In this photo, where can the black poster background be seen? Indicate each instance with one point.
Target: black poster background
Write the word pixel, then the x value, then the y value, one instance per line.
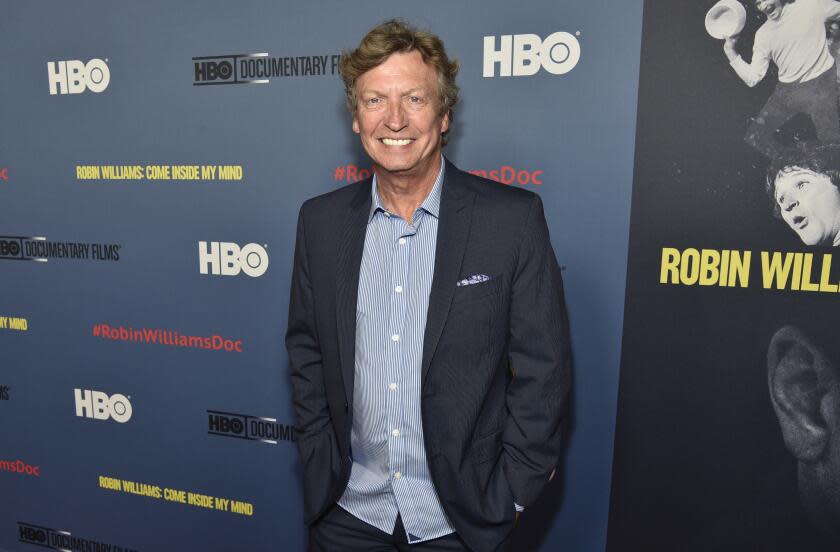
pixel 699 460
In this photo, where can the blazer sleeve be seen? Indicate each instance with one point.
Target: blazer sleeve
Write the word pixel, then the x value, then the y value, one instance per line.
pixel 314 430
pixel 540 358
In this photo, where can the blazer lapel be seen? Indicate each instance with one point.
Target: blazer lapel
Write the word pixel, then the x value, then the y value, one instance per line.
pixel 456 204
pixel 349 263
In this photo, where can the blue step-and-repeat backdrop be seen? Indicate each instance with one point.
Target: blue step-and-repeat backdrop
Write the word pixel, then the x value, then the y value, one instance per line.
pixel 153 157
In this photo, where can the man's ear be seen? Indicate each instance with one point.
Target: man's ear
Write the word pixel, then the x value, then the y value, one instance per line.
pixel 798 375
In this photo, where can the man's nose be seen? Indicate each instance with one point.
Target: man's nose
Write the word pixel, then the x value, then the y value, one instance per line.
pixel 789 203
pixel 396 116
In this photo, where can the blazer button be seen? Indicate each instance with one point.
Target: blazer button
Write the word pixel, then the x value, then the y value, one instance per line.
pixel 346 407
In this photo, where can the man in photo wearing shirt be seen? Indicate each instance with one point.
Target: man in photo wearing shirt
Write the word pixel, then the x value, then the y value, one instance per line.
pixel 428 339
pixel 794 38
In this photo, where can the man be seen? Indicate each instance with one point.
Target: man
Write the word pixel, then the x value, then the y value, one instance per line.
pixel 803 183
pixel 794 38
pixel 427 337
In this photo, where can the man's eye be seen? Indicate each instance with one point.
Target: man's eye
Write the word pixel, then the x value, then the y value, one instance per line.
pixel 415 99
pixel 373 101
pixel 802 184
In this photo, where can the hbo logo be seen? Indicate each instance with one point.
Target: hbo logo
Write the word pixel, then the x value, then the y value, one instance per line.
pixel 32 534
pixel 9 248
pixel 212 70
pixel 73 77
pixel 227 259
pixel 223 424
pixel 523 55
pixel 98 405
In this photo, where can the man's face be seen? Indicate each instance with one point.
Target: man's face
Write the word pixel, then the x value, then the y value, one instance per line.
pixel 810 205
pixel 397 116
pixel 771 8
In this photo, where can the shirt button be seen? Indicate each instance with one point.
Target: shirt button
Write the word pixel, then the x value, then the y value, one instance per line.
pixel 398 289
pixel 395 337
pixel 396 433
pixel 392 386
pixel 397 475
pixel 401 241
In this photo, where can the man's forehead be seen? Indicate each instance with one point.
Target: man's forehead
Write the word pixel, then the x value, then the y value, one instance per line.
pixel 787 177
pixel 408 66
pixel 793 172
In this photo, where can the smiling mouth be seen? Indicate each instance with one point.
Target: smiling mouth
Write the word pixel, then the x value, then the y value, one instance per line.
pixel 800 222
pixel 396 141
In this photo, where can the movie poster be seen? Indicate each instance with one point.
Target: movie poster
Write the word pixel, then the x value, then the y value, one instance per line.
pixel 728 423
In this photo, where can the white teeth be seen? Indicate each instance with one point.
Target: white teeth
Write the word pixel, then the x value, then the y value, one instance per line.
pixel 392 142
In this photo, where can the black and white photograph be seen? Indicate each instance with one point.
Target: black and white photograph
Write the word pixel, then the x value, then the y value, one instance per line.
pixel 726 435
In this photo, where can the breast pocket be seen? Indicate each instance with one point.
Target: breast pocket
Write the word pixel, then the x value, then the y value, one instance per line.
pixel 486 290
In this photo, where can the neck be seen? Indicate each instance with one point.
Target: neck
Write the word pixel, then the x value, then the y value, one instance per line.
pixel 402 194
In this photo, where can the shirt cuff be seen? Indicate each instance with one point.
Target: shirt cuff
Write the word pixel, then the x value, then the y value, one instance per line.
pixel 518 507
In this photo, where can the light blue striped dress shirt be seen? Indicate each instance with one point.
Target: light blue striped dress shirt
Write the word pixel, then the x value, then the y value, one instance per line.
pixel 390 474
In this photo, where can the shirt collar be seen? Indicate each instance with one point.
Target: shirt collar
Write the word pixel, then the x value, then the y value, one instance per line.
pixel 431 204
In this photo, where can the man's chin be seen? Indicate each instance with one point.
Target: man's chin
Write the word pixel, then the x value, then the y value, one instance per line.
pixel 395 166
pixel 812 239
pixel 391 169
pixel 403 164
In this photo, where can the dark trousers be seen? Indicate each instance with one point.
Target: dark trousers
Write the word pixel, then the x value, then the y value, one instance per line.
pixel 340 531
pixel 816 98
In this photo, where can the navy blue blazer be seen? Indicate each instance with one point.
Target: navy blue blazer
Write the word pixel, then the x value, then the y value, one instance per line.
pixel 496 360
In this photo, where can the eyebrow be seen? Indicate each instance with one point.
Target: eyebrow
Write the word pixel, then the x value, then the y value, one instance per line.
pixel 380 93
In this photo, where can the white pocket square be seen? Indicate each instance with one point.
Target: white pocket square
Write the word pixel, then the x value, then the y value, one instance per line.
pixel 474 279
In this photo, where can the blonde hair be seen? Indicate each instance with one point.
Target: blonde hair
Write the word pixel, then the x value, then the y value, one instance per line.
pixel 395 36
